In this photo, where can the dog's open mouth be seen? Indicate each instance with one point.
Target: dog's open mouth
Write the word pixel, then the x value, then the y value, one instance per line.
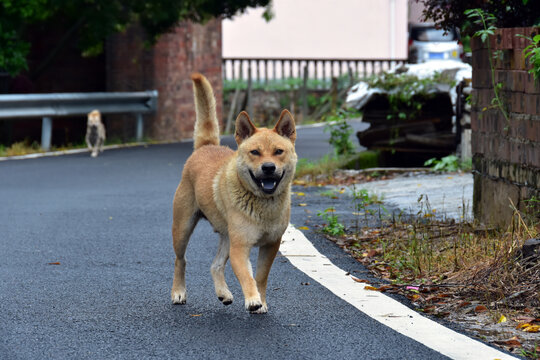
pixel 267 183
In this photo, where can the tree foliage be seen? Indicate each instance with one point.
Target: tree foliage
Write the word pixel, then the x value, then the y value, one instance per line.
pixel 450 14
pixel 91 21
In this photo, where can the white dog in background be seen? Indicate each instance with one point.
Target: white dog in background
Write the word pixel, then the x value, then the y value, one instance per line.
pixel 95 133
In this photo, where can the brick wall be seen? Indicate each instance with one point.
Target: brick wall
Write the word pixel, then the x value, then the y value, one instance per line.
pixel 506 153
pixel 165 67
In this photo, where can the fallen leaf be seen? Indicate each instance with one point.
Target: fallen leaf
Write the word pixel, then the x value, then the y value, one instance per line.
pixel 513 342
pixel 522 325
pixel 359 280
pixel 532 328
pixel 525 319
pixel 342 190
pixel 480 308
pixel 302 228
pixel 371 253
pixel 54 263
pixel 300 194
pixel 302 204
pixel 371 288
pixel 502 319
pixel 464 303
pixel 385 287
pixel 413 297
pixel 195 315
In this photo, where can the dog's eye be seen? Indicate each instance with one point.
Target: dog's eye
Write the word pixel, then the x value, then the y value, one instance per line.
pixel 278 152
pixel 255 152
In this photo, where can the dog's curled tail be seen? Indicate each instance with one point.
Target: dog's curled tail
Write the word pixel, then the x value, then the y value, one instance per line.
pixel 206 124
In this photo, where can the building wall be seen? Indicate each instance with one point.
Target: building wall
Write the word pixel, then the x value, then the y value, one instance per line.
pixel 320 28
pixel 506 153
pixel 166 67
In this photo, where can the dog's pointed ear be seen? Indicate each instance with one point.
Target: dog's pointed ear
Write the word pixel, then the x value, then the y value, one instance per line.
pixel 244 127
pixel 285 125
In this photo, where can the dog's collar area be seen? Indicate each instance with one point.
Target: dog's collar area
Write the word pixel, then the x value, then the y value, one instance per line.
pixel 268 184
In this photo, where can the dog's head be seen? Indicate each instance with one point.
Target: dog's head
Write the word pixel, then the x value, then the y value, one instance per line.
pixel 94 118
pixel 266 159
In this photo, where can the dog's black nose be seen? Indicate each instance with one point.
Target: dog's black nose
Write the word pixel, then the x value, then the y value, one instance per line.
pixel 268 168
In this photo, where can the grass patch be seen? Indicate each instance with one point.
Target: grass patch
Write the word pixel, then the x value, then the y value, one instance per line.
pixel 25 147
pixel 327 165
pixel 20 148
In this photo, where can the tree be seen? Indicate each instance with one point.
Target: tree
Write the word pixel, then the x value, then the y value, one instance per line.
pixel 450 14
pixel 91 21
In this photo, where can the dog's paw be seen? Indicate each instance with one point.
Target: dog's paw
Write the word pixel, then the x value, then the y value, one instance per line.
pixel 178 298
pixel 226 298
pixel 253 304
pixel 262 310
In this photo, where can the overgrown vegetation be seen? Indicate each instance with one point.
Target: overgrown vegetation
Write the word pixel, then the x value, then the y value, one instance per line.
pixel 449 163
pixel 332 226
pixel 447 267
pixel 449 14
pixel 532 52
pixel 407 93
pixel 20 148
pixel 340 131
pixel 486 22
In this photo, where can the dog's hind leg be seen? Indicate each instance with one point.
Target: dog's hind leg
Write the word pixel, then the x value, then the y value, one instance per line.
pixel 267 254
pixel 185 217
pixel 218 271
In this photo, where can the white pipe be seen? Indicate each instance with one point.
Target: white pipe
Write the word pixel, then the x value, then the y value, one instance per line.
pixel 392 29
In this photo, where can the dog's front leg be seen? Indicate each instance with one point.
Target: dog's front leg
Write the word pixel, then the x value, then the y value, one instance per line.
pixel 101 140
pixel 87 139
pixel 241 266
pixel 267 254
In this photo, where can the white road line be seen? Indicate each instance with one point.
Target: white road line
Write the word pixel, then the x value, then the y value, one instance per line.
pixel 303 255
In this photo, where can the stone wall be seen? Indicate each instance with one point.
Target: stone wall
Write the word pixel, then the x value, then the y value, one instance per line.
pixel 506 153
pixel 166 67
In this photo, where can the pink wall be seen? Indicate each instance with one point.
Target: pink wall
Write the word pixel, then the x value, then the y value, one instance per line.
pixel 319 28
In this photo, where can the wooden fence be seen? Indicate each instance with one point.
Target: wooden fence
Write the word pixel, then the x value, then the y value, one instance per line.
pixel 264 70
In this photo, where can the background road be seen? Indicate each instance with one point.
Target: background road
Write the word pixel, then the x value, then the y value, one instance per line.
pixel 86 265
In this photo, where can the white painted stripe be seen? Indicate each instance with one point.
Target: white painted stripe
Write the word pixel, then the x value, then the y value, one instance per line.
pixel 303 255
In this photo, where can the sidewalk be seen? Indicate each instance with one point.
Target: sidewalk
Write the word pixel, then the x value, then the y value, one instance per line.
pixel 445 195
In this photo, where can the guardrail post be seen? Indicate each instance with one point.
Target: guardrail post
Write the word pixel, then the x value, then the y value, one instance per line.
pixel 46 133
pixel 140 126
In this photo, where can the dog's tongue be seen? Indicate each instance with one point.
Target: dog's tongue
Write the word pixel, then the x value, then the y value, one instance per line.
pixel 268 184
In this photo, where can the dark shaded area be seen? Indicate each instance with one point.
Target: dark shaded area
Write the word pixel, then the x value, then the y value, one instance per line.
pixel 412 140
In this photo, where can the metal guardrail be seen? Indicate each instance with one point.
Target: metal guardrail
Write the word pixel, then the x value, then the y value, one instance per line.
pixel 47 106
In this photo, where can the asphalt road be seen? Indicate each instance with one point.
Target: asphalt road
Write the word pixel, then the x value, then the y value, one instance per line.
pixel 86 265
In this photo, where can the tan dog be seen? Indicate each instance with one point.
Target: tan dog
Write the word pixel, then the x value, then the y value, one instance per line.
pixel 244 194
pixel 95 133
